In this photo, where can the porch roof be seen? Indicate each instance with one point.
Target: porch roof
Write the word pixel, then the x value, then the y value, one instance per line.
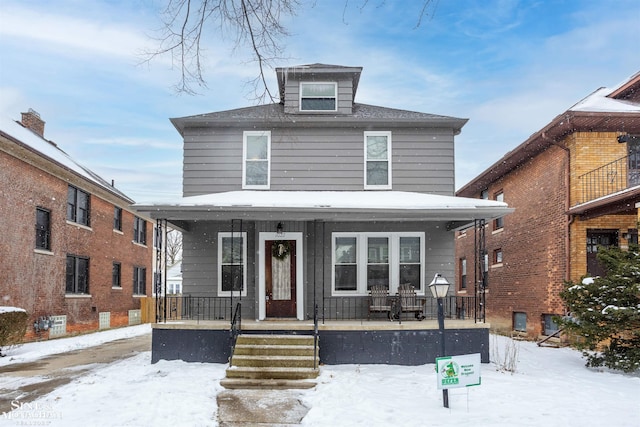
pixel 328 206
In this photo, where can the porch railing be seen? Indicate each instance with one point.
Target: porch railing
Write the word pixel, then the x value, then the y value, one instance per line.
pixel 186 307
pixel 357 308
pixel 236 327
pixel 610 178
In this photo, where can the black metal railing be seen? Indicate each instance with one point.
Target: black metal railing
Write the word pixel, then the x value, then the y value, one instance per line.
pixel 186 307
pixel 315 336
pixel 357 308
pixel 234 331
pixel 610 178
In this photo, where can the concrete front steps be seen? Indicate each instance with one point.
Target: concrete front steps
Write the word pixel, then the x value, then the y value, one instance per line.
pixel 272 362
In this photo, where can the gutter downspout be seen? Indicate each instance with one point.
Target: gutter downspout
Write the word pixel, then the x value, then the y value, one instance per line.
pixel 569 218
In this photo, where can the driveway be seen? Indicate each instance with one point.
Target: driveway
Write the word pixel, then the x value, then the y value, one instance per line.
pixel 29 381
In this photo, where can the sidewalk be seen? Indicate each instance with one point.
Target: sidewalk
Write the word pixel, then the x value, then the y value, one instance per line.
pixel 59 369
pixel 260 408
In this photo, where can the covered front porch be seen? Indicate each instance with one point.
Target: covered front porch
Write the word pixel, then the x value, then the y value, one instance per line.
pixel 256 258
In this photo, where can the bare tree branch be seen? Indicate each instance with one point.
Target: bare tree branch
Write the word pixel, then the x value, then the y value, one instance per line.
pixel 174 246
pixel 255 25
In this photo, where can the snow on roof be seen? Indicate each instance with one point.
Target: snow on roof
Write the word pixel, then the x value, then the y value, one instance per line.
pixel 334 199
pixel 6 309
pixel 598 101
pixel 51 151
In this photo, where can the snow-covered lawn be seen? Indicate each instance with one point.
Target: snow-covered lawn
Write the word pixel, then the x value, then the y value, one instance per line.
pixel 551 387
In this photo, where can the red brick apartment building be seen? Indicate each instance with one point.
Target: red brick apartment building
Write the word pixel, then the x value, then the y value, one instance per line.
pixel 575 185
pixel 71 248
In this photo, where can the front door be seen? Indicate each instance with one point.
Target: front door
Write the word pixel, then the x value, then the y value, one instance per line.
pixel 597 238
pixel 280 278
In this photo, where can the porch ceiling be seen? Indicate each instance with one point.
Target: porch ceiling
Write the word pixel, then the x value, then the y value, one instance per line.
pixel 328 206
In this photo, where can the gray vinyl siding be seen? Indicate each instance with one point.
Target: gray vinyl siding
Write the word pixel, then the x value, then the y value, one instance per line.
pixel 200 256
pixel 344 101
pixel 329 159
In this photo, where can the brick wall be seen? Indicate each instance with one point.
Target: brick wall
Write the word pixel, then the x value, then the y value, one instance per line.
pixel 532 242
pixel 35 280
pixel 590 150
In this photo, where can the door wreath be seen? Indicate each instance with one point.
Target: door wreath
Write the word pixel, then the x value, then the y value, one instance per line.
pixel 280 249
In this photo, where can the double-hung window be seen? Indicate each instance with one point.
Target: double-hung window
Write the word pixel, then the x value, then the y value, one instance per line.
pixel 117 218
pixel 232 265
pixel 256 162
pixel 362 260
pixel 318 96
pixel 463 273
pixel 139 280
pixel 116 270
pixel 77 277
pixel 140 231
pixel 499 222
pixel 77 206
pixel 43 229
pixel 377 156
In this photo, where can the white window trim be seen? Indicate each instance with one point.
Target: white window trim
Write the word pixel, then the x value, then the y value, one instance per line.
pixel 361 261
pixel 245 134
pixel 388 185
pixel 335 85
pixel 300 288
pixel 222 235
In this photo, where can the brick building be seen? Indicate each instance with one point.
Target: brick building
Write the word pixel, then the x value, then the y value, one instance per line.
pixel 71 248
pixel 575 185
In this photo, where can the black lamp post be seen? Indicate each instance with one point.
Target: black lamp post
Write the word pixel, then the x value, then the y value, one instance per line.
pixel 439 289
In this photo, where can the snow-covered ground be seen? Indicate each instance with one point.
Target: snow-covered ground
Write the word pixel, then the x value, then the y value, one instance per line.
pixel 551 387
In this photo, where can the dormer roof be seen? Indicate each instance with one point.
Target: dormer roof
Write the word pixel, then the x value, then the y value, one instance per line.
pixel 315 72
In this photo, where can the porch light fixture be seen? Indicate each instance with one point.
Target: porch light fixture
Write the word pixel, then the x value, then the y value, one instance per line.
pixel 439 289
pixel 280 230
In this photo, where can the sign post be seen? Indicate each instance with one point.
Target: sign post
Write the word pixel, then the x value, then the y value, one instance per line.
pixel 458 371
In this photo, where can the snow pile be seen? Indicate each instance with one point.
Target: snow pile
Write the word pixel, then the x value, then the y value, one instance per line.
pixel 550 387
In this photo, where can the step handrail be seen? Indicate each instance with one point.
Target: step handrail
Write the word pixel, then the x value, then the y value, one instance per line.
pixel 315 336
pixel 236 326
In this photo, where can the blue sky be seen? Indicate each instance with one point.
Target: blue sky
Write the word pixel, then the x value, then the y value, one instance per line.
pixel 509 66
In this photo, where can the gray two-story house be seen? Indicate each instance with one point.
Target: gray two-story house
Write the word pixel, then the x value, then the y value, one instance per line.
pixel 300 207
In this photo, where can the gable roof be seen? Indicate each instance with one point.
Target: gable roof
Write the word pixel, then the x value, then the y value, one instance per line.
pixel 274 116
pixel 605 110
pixel 34 143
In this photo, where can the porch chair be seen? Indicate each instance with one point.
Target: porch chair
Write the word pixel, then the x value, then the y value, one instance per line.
pixel 379 301
pixel 409 302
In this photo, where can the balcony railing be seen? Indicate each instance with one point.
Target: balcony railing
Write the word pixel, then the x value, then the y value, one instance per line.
pixel 610 178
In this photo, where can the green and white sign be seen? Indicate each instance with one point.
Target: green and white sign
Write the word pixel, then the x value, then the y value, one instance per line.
pixel 458 371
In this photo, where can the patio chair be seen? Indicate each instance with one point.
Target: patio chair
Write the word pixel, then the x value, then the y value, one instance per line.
pixel 409 302
pixel 379 301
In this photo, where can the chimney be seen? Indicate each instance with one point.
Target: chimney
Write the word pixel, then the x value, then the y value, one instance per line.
pixel 31 120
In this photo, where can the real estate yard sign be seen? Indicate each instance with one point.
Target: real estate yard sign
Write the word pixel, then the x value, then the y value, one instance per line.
pixel 458 371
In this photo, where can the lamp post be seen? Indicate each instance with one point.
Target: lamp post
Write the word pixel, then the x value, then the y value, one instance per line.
pixel 439 289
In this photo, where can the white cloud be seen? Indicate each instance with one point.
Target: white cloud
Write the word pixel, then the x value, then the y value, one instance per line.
pixel 69 33
pixel 134 142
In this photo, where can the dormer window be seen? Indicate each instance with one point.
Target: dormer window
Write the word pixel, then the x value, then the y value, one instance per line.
pixel 318 96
